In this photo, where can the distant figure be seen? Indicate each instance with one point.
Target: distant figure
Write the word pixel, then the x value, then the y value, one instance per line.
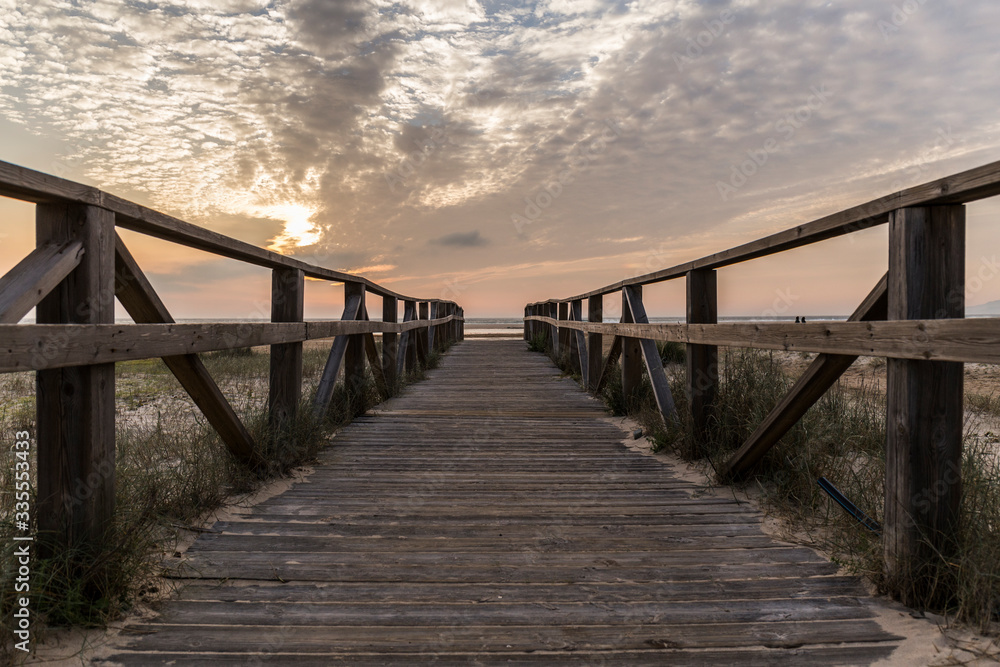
pixel 803 319
pixel 796 319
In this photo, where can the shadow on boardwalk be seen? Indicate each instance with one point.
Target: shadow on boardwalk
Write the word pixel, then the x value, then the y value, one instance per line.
pixel 492 515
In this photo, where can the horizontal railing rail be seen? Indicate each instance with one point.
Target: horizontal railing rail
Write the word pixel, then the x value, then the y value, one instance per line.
pixel 80 266
pixel 914 317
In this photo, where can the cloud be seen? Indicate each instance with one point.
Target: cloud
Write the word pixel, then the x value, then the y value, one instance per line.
pixel 461 240
pixel 339 130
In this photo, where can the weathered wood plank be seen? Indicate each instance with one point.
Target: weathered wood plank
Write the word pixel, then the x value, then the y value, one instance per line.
pixel 34 277
pixel 924 401
pixel 327 382
pixel 492 514
pixel 651 356
pixel 965 340
pixel 702 360
pixel 285 383
pixel 76 406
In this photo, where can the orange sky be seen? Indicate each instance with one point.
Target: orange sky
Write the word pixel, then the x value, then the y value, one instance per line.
pixel 499 153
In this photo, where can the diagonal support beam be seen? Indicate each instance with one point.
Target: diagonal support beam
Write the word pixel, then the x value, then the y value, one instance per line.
pixel 324 392
pixel 821 374
pixel 34 277
pixel 371 351
pixel 407 355
pixel 580 342
pixel 139 298
pixel 654 366
pixel 613 354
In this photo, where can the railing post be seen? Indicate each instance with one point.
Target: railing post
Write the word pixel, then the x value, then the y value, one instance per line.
pixel 595 341
pixel 552 310
pixel 527 324
pixel 631 350
pixel 923 487
pixel 410 314
pixel 702 360
pixel 433 343
pixel 390 343
pixel 285 389
pixel 563 331
pixel 576 341
pixel 422 332
pixel 461 324
pixel 76 406
pixel 354 357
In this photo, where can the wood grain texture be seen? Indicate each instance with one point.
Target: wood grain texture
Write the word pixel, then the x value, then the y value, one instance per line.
pixel 966 340
pixel 651 356
pixel 285 384
pixel 821 374
pixel 76 406
pixel 354 356
pixel 327 382
pixel 141 302
pixel 702 360
pixel 595 344
pixel 34 277
pixel 491 515
pixel 924 400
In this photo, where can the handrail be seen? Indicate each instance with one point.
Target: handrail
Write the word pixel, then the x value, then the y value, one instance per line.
pixel 34 186
pixel 962 188
pixel 914 317
pixel 72 278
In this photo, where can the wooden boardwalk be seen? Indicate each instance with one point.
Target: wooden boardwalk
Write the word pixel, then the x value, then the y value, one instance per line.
pixel 492 515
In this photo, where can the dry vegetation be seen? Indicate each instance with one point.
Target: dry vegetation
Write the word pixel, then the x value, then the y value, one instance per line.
pixel 171 468
pixel 841 438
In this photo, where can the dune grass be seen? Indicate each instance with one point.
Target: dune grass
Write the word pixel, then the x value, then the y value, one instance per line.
pixel 171 468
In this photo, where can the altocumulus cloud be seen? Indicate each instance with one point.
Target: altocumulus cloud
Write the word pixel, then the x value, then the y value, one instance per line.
pixel 303 112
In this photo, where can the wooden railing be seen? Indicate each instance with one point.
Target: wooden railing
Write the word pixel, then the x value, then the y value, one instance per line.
pixel 72 278
pixel 914 317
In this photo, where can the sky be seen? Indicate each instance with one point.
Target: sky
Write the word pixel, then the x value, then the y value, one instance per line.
pixel 497 153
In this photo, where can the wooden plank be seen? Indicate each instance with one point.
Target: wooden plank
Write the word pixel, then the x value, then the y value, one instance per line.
pixel 354 355
pixel 34 277
pixel 76 406
pixel 654 366
pixel 964 187
pixel 407 361
pixel 613 354
pixel 924 422
pixel 327 382
pixel 562 313
pixel 965 340
pixel 285 385
pixel 595 344
pixel 390 345
pixel 578 346
pixel 420 335
pixel 371 351
pixel 631 358
pixel 702 360
pixel 821 374
pixel 141 302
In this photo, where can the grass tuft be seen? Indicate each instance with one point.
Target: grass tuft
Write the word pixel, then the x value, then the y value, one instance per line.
pixel 170 470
